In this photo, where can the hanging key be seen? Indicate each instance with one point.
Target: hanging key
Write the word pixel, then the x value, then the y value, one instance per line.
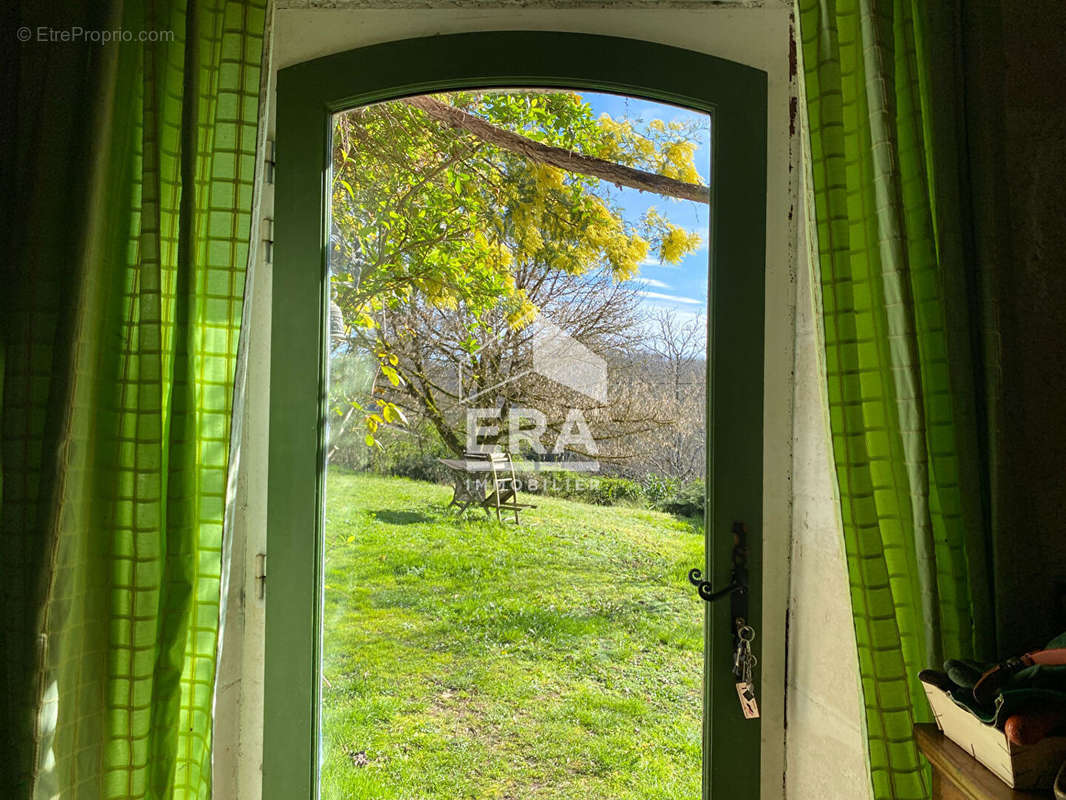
pixel 740 648
pixel 744 662
pixel 740 651
pixel 738 661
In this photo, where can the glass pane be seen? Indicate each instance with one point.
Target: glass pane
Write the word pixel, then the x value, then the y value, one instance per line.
pixel 517 449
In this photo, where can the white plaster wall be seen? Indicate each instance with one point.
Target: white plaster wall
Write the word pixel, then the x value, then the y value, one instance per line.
pixel 238 734
pixel 238 724
pixel 826 755
pixel 825 741
pixel 758 36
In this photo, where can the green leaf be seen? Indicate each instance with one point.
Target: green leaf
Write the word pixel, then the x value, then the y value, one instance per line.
pixel 392 414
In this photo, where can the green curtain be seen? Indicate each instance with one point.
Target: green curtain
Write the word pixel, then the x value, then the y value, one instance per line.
pixel 889 188
pixel 131 172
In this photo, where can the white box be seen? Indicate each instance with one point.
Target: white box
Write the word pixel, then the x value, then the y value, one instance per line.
pixel 1020 767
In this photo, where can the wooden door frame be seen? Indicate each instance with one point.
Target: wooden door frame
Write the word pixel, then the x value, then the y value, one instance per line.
pixel 308 94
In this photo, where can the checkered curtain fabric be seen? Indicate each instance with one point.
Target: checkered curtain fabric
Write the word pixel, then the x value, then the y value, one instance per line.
pixel 122 320
pixel 878 77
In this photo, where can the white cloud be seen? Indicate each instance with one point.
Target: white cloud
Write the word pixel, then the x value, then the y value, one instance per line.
pixel 652 261
pixel 652 282
pixel 672 298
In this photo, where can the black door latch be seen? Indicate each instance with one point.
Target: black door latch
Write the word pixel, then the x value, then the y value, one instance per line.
pixel 708 592
pixel 738 579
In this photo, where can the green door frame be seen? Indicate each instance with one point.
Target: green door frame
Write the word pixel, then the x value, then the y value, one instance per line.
pixel 307 95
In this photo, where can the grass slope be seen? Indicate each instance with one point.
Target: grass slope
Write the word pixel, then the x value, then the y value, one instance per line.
pixel 560 658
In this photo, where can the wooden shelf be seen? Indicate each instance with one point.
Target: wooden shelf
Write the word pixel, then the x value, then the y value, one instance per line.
pixel 959 776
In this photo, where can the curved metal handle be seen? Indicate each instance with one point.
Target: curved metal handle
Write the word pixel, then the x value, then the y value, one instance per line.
pixel 708 592
pixel 738 579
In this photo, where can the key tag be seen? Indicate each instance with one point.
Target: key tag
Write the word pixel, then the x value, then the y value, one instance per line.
pixel 746 661
pixel 748 704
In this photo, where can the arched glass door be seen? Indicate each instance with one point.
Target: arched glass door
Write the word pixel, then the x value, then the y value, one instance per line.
pixel 308 96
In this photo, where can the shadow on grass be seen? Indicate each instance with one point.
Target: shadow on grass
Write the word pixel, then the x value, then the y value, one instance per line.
pixel 401 517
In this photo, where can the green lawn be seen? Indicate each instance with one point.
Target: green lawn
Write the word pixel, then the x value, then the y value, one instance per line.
pixel 560 658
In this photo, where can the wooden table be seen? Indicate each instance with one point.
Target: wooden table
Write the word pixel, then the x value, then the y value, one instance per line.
pixel 959 776
pixel 487 480
pixel 466 491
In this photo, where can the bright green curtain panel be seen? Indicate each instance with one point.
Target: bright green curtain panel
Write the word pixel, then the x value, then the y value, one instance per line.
pixel 898 341
pixel 131 173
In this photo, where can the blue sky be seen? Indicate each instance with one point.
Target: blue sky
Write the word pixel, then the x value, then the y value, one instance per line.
pixel 682 288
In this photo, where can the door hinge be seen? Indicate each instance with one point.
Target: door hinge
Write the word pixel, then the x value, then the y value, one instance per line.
pixel 268 239
pixel 269 162
pixel 260 575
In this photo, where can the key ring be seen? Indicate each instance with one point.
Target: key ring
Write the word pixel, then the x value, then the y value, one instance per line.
pixel 746 633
